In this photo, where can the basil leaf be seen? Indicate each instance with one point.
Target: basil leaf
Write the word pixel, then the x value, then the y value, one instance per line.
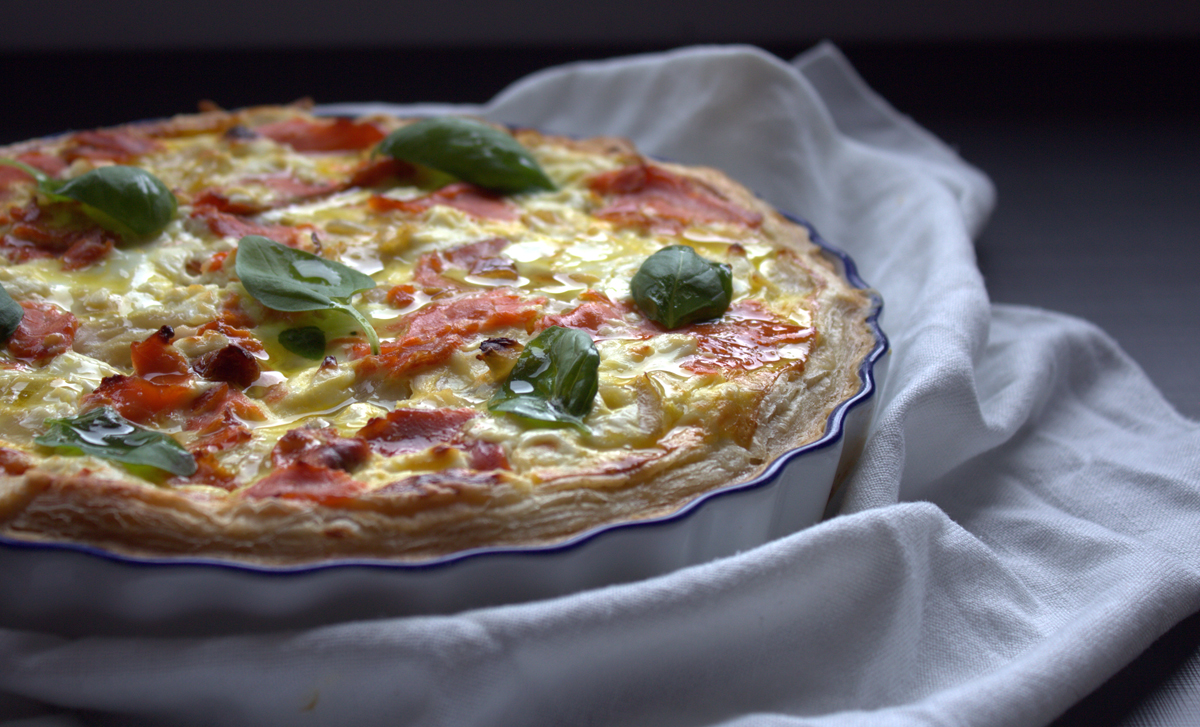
pixel 470 150
pixel 105 433
pixel 554 381
pixel 306 342
pixel 126 200
pixel 675 287
pixel 11 314
pixel 287 279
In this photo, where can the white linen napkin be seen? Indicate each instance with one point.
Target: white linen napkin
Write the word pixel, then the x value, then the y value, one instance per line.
pixel 1021 525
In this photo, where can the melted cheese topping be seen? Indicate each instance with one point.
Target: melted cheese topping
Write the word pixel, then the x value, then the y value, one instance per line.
pixel 557 255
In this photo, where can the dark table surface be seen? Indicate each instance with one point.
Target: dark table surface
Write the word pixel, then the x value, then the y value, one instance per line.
pixel 1095 153
pixel 1101 220
pixel 1093 147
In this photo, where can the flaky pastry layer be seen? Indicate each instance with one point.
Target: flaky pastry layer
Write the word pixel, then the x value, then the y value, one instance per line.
pixel 678 413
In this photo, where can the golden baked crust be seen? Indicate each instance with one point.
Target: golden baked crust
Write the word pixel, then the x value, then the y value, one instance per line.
pixel 395 454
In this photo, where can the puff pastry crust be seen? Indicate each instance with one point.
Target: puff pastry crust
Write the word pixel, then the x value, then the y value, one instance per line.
pixel 395 455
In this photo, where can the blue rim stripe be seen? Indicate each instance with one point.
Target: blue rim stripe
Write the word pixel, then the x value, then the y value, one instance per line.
pixel 834 430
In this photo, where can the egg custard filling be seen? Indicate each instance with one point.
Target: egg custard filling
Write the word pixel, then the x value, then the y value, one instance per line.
pixel 272 337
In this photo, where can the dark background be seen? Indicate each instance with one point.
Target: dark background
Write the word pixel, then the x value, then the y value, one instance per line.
pixel 990 80
pixel 1085 115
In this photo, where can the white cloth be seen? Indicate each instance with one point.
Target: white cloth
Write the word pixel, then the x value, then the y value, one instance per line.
pixel 1021 525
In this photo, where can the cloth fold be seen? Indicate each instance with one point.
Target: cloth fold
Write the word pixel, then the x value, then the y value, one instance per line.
pixel 1021 523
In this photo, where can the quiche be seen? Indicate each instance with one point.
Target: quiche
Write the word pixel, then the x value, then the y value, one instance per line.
pixel 266 336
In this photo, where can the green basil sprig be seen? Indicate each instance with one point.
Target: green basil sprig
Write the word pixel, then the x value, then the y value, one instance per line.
pixel 675 287
pixel 11 314
pixel 554 380
pixel 470 150
pixel 105 433
pixel 127 200
pixel 306 342
pixel 287 279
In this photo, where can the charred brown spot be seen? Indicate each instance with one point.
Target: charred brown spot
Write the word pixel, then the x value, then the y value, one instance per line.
pixel 166 334
pixel 323 447
pixel 339 531
pixel 495 267
pixel 232 364
pixel 239 132
pixel 500 354
pixel 494 346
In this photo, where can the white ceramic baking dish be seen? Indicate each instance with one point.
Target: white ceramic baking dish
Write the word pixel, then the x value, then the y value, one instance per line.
pixel 79 590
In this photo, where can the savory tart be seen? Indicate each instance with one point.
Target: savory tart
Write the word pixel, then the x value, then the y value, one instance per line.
pixel 270 337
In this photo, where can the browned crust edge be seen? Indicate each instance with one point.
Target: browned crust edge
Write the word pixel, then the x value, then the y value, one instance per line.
pixel 450 515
